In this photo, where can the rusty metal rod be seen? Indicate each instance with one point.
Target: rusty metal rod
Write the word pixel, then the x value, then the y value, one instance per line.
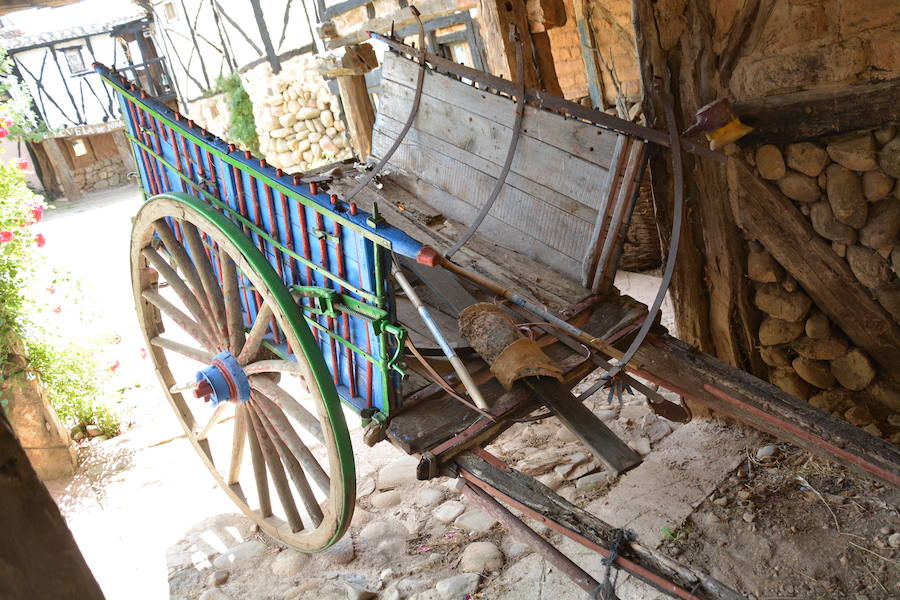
pixel 522 531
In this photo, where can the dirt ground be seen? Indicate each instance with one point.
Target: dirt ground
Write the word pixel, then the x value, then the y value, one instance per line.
pixel 762 517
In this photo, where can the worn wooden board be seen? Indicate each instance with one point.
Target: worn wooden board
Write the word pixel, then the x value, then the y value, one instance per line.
pixel 456 148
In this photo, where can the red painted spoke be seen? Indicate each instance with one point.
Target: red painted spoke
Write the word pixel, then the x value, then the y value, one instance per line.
pixel 208 279
pixel 290 439
pixel 294 470
pixel 276 469
pixel 190 326
pixel 259 468
pixel 180 288
pixel 237 443
pixel 271 391
pixel 255 337
pixel 184 263
pixel 183 349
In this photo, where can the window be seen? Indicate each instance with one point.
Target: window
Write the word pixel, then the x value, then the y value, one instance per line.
pixel 75 60
pixel 170 12
pixel 79 148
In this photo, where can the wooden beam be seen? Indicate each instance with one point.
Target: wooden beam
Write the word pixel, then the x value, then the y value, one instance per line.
pixel 812 114
pixel 495 17
pixel 703 379
pixel 769 217
pixel 124 148
pixel 61 168
pixel 589 53
pixel 359 111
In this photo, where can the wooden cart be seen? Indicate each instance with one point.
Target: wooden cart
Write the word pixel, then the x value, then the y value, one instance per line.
pixel 273 307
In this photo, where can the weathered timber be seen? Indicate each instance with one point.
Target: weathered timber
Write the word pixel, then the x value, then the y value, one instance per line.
pixel 768 216
pixel 605 445
pixel 402 17
pixel 737 394
pixel 497 18
pixel 39 558
pixel 709 290
pixel 812 114
pixel 543 504
pixel 360 112
pixel 61 168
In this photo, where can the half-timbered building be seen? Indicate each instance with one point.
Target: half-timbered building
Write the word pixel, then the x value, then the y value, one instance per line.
pixel 53 52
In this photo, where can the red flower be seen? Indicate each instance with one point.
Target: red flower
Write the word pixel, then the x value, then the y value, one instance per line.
pixel 37 213
pixel 9 122
pixel 3 132
pixel 58 309
pixel 51 290
pixel 5 236
pixel 143 353
pixel 39 240
pixel 114 366
pixel 22 163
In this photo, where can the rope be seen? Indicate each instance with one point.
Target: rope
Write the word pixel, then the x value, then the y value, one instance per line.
pixel 607 589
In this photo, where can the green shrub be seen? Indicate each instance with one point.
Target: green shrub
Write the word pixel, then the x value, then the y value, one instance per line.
pixel 70 373
pixel 241 124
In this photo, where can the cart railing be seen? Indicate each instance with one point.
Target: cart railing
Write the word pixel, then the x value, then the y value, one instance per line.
pixel 334 257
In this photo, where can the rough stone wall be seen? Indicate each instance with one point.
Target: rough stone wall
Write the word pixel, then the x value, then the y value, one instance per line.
pixel 101 174
pixel 848 188
pixel 804 44
pixel 298 120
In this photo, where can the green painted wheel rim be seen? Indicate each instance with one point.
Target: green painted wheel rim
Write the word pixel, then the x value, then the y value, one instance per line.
pixel 294 319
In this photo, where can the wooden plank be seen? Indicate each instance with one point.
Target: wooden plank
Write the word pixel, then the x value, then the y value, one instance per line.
pixel 610 189
pixel 772 219
pixel 443 283
pixel 124 149
pixel 737 394
pixel 584 140
pixel 812 114
pixel 580 420
pixel 389 127
pixel 63 173
pixel 562 171
pixel 540 502
pixel 402 17
pixel 517 220
pixel 360 112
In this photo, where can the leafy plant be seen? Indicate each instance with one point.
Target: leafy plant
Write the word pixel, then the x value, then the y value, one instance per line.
pixel 69 372
pixel 241 124
pixel 18 119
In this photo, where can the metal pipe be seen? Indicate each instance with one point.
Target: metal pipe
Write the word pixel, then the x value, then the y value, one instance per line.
pixel 522 531
pixel 446 348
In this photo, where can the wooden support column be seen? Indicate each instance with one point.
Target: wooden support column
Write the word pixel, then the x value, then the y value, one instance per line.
pixel 350 70
pixel 124 148
pixel 710 292
pixel 589 53
pixel 40 558
pixel 61 168
pixel 494 19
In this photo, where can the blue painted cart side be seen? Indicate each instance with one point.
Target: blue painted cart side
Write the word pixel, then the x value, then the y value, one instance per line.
pixel 333 256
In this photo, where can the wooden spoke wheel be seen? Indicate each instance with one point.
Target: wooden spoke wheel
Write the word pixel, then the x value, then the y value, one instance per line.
pixel 193 273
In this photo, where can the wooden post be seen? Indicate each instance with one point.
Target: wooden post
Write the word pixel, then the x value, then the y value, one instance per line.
pixel 61 169
pixel 710 292
pixel 495 18
pixel 40 558
pixel 589 52
pixel 124 148
pixel 350 70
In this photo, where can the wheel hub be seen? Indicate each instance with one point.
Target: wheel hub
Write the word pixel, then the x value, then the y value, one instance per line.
pixel 223 381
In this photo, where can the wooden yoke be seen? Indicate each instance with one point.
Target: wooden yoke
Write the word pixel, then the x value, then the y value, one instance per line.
pixel 350 70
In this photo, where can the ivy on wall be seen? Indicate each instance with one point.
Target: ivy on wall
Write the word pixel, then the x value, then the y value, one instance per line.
pixel 241 124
